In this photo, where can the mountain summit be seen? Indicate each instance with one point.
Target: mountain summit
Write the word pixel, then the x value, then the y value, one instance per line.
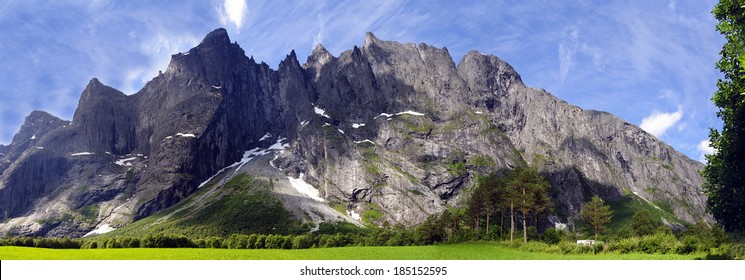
pixel 386 132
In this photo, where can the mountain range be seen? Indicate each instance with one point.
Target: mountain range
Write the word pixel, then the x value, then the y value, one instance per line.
pixel 386 132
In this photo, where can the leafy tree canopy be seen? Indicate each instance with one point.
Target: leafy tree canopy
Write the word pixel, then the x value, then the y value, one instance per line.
pixel 725 170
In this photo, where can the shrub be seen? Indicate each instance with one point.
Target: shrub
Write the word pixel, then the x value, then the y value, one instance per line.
pixel 536 247
pixel 625 232
pixel 643 223
pixel 242 242
pixel 40 242
pixel 213 242
pixel 600 248
pixel 251 241
pixel 552 236
pixel 336 240
pixel 401 238
pixel 287 244
pixel 719 253
pixel 112 243
pixel 663 229
pixel 273 242
pixel 184 242
pixel 709 237
pixel 659 243
pixel 689 245
pixel 323 241
pixel 260 242
pixel 532 233
pixel 737 252
pixel 281 241
pixel 302 242
pixel 466 234
pixel 232 241
pixel 132 242
pixel 628 245
pixel 572 248
pixel 727 252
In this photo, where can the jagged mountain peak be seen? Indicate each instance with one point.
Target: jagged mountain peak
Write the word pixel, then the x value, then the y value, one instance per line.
pixel 217 37
pixel 290 58
pixel 320 50
pixel 210 61
pixel 370 39
pixel 317 59
pixel 96 85
pixel 39 115
pixel 96 92
pixel 481 71
pixel 94 82
pixel 36 125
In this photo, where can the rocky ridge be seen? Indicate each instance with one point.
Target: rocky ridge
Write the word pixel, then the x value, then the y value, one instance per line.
pixel 388 131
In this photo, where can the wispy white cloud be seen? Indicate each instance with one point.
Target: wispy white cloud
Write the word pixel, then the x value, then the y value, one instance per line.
pixel 573 51
pixel 567 50
pixel 279 27
pixel 233 12
pixel 318 39
pixel 157 49
pixel 704 147
pixel 657 123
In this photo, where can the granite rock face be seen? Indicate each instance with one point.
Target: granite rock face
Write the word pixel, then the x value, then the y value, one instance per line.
pixel 392 132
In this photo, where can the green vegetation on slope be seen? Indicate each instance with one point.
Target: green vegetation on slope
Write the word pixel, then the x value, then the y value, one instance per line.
pixel 243 205
pixel 628 205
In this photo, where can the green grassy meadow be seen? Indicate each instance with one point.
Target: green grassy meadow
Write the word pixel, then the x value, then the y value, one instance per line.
pixel 463 251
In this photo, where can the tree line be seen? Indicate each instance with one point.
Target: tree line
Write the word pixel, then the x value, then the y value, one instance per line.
pixel 522 192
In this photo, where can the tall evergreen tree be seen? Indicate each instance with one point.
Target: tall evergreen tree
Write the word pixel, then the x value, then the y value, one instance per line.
pixel 597 214
pixel 494 196
pixel 725 170
pixel 531 189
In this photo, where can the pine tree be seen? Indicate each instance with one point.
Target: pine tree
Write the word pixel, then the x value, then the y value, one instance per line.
pixel 530 194
pixel 597 214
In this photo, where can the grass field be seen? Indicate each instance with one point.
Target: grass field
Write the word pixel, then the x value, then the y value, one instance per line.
pixel 463 251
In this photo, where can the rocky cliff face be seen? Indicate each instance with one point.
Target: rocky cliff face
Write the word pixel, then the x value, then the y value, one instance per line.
pixel 388 131
pixel 584 152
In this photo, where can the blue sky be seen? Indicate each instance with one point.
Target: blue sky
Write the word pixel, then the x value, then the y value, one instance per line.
pixel 648 62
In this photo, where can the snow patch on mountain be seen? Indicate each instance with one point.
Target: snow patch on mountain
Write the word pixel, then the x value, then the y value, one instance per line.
pixel 266 136
pixel 303 187
pixel 409 112
pixel 354 215
pixel 320 112
pixel 124 162
pixel 100 230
